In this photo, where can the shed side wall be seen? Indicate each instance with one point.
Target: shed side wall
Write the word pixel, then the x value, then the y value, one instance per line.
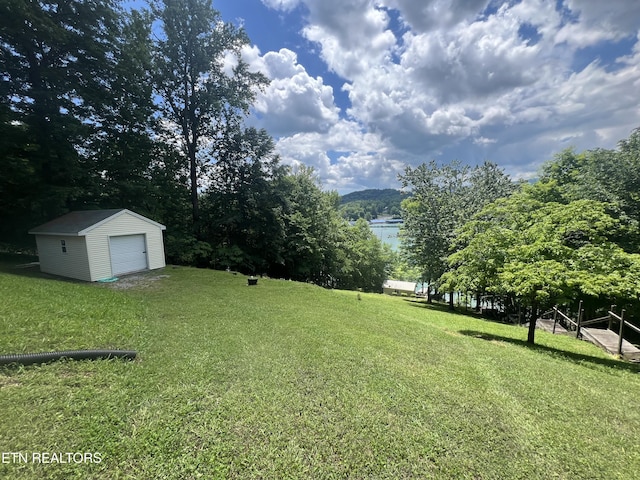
pixel 125 224
pixel 73 263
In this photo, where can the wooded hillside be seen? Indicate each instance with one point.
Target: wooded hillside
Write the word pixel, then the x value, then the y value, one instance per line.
pixel 372 203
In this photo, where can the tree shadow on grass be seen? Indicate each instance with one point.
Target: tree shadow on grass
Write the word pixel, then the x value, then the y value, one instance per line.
pixel 469 312
pixel 557 353
pixel 419 302
pixel 444 307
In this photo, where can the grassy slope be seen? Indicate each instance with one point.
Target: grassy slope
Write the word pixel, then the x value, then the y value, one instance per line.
pixel 286 380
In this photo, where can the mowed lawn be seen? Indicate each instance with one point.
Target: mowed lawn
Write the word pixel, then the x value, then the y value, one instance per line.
pixel 288 380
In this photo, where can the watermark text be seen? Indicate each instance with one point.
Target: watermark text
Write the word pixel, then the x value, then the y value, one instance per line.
pixel 50 457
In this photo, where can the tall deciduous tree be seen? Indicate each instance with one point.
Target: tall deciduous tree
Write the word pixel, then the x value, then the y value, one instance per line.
pixel 487 183
pixel 368 259
pixel 443 198
pixel 201 78
pixel 125 148
pixel 314 232
pixel 611 176
pixel 57 63
pixel 432 214
pixel 544 252
pixel 243 205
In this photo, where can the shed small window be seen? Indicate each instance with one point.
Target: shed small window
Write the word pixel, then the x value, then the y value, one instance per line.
pixel 64 246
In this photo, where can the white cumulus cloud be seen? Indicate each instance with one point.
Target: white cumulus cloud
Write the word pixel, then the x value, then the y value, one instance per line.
pixel 293 101
pixel 475 80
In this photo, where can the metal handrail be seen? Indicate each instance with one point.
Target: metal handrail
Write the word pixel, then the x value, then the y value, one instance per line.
pixel 580 323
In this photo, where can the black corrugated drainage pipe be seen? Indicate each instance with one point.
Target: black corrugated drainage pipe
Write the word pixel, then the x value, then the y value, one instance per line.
pixel 31 358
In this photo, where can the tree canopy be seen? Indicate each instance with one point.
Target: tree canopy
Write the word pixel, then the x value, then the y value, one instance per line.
pixel 569 236
pixel 200 95
pixel 443 198
pixel 544 252
pixel 58 61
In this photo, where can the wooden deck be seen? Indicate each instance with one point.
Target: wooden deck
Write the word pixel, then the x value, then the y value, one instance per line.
pixel 608 340
pixel 602 337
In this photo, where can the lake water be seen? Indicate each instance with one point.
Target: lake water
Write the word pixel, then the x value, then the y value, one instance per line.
pixel 387 233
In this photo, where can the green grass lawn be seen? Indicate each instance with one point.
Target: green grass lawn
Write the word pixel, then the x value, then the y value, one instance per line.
pixel 287 380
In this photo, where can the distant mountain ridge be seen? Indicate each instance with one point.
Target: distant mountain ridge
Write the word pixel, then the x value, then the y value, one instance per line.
pixel 376 194
pixel 372 203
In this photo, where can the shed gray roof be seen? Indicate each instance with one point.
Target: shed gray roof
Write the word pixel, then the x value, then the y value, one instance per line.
pixel 81 221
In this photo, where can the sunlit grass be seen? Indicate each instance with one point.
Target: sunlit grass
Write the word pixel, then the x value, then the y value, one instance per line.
pixel 287 380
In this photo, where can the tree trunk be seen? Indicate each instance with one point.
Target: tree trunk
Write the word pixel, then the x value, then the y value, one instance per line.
pixel 451 306
pixel 193 171
pixel 532 323
pixel 194 199
pixel 478 300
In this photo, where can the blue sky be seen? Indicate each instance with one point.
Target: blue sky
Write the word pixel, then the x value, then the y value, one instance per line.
pixel 362 88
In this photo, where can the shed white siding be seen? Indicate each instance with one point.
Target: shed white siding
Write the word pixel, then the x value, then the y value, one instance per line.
pixel 98 244
pixel 72 263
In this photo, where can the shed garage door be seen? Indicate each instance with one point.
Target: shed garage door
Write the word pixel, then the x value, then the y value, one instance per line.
pixel 128 254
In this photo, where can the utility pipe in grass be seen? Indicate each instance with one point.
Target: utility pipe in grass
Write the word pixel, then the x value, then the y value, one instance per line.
pixel 31 358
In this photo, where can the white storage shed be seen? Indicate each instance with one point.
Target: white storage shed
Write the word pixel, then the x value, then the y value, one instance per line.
pixel 396 287
pixel 94 245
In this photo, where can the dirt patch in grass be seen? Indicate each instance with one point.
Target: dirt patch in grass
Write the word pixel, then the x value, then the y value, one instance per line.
pixel 136 280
